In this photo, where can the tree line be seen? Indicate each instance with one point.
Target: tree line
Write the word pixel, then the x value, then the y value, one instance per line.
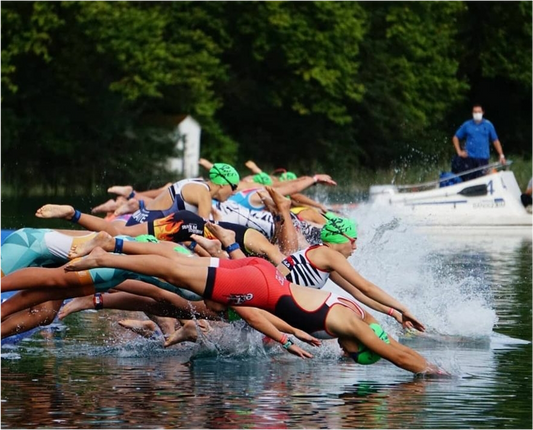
pixel 304 85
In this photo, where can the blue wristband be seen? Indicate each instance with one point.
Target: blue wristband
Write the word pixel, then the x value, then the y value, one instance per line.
pixel 119 243
pixel 232 247
pixel 192 245
pixel 76 216
pixel 288 344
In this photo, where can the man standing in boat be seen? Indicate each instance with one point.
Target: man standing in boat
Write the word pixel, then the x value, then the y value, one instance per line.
pixel 476 152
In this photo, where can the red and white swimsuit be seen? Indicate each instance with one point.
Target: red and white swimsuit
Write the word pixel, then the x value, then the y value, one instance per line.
pixel 255 282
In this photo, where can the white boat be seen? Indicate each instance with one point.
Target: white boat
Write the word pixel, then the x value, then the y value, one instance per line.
pixel 491 200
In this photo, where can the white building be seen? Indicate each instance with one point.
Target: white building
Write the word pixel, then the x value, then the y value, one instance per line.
pixel 186 136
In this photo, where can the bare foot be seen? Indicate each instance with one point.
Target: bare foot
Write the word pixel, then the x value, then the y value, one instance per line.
pixel 128 207
pixel 143 328
pixel 188 332
pixel 226 237
pixel 103 240
pixel 55 211
pixel 166 324
pixel 268 202
pixel 109 206
pixel 121 190
pixel 85 263
pixel 206 164
pixel 76 305
pixel 212 246
pixel 280 201
pixel 252 166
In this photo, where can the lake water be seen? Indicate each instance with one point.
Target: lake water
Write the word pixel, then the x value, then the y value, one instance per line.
pixel 471 288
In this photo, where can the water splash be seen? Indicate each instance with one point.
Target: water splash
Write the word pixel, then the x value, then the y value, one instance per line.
pixel 449 297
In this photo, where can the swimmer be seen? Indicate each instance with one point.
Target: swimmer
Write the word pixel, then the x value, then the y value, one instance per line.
pixel 194 195
pixel 176 227
pixel 254 282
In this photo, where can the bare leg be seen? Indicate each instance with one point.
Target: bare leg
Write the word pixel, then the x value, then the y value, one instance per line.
pixel 260 245
pixel 91 222
pixel 139 296
pixel 288 238
pixel 31 298
pixel 39 277
pixel 162 249
pixel 27 319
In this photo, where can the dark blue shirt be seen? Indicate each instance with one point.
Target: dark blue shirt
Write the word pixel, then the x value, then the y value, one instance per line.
pixel 477 137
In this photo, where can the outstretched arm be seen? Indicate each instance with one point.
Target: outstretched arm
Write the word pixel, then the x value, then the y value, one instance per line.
pixel 287 328
pixel 371 303
pixel 351 330
pixel 258 321
pixel 340 265
pixel 302 199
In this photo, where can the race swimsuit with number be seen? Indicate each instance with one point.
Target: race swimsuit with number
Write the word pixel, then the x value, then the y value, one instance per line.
pixel 255 282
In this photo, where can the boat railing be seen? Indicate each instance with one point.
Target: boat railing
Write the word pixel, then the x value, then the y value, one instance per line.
pixel 434 184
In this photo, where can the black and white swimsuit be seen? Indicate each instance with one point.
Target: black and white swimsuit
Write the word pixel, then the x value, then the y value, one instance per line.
pixel 303 272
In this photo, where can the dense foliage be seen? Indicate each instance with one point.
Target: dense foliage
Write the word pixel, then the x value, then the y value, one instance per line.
pixel 305 85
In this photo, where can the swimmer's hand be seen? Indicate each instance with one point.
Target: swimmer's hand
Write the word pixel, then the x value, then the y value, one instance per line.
pixel 306 337
pixel 321 178
pixel 409 321
pixel 296 350
pixel 434 372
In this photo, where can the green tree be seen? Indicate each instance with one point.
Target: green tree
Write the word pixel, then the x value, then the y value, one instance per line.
pixel 293 75
pixel 79 77
pixel 410 74
pixel 497 64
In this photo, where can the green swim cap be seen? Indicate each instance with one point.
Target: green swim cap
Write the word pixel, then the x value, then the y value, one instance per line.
pixel 233 316
pixel 364 355
pixel 263 179
pixel 288 176
pixel 147 238
pixel 335 229
pixel 224 174
pixel 182 250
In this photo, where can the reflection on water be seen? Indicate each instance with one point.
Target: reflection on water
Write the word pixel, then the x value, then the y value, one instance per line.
pixel 473 291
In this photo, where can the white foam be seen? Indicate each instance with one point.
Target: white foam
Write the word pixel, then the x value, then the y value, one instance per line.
pixel 408 264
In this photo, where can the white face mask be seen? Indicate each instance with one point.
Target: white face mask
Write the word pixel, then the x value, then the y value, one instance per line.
pixel 477 116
